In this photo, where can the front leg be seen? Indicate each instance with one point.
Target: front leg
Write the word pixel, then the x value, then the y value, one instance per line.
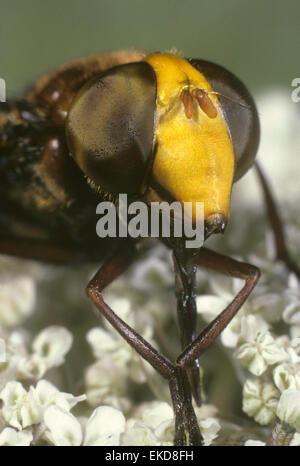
pixel 185 267
pixel 110 270
pixel 187 430
pixel 222 264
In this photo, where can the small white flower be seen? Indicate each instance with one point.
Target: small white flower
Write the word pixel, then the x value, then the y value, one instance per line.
pixel 287 376
pixel 152 270
pixel 260 401
pixel 209 425
pixel 295 442
pixel 209 429
pixel 103 342
pixel 45 394
pixel 15 351
pixel 288 409
pixel 156 425
pixel 117 361
pixel 295 331
pixel 254 443
pixel 255 349
pixel 22 409
pixel 156 413
pixel 251 326
pixel 103 428
pixel 17 300
pixel 267 303
pixel 153 424
pixel 205 411
pixel 52 344
pixel 13 396
pixel 106 383
pixel 12 438
pixel 138 434
pixel 123 308
pixel 165 432
pixel 159 418
pixel 291 313
pixel 30 367
pixel 260 354
pixel 49 349
pixel 293 284
pixel 209 306
pixel 62 428
pixel 294 350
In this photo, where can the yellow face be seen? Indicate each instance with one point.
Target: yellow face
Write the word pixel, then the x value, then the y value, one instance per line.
pixel 194 161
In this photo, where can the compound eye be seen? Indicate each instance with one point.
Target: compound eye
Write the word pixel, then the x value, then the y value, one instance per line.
pixel 110 127
pixel 239 111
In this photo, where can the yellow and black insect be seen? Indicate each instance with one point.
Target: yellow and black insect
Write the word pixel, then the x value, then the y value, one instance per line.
pixel 158 128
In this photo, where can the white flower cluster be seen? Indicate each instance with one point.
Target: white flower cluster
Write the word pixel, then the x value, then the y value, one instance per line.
pixel 153 425
pixel 35 412
pixel 117 364
pixel 17 294
pixel 274 360
pixel 48 350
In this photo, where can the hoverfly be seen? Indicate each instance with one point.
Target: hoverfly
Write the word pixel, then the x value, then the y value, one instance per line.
pixel 158 128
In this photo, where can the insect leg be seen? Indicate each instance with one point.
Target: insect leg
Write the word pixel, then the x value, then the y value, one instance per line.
pixel 38 250
pixel 276 223
pixel 109 271
pixel 187 431
pixel 225 265
pixel 185 274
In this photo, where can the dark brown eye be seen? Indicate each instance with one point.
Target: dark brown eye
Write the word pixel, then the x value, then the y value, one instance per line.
pixel 239 111
pixel 110 127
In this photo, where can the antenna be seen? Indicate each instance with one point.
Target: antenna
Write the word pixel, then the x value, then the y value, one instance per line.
pixel 229 98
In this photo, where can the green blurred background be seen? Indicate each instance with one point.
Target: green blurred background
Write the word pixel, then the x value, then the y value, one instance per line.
pixel 258 40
